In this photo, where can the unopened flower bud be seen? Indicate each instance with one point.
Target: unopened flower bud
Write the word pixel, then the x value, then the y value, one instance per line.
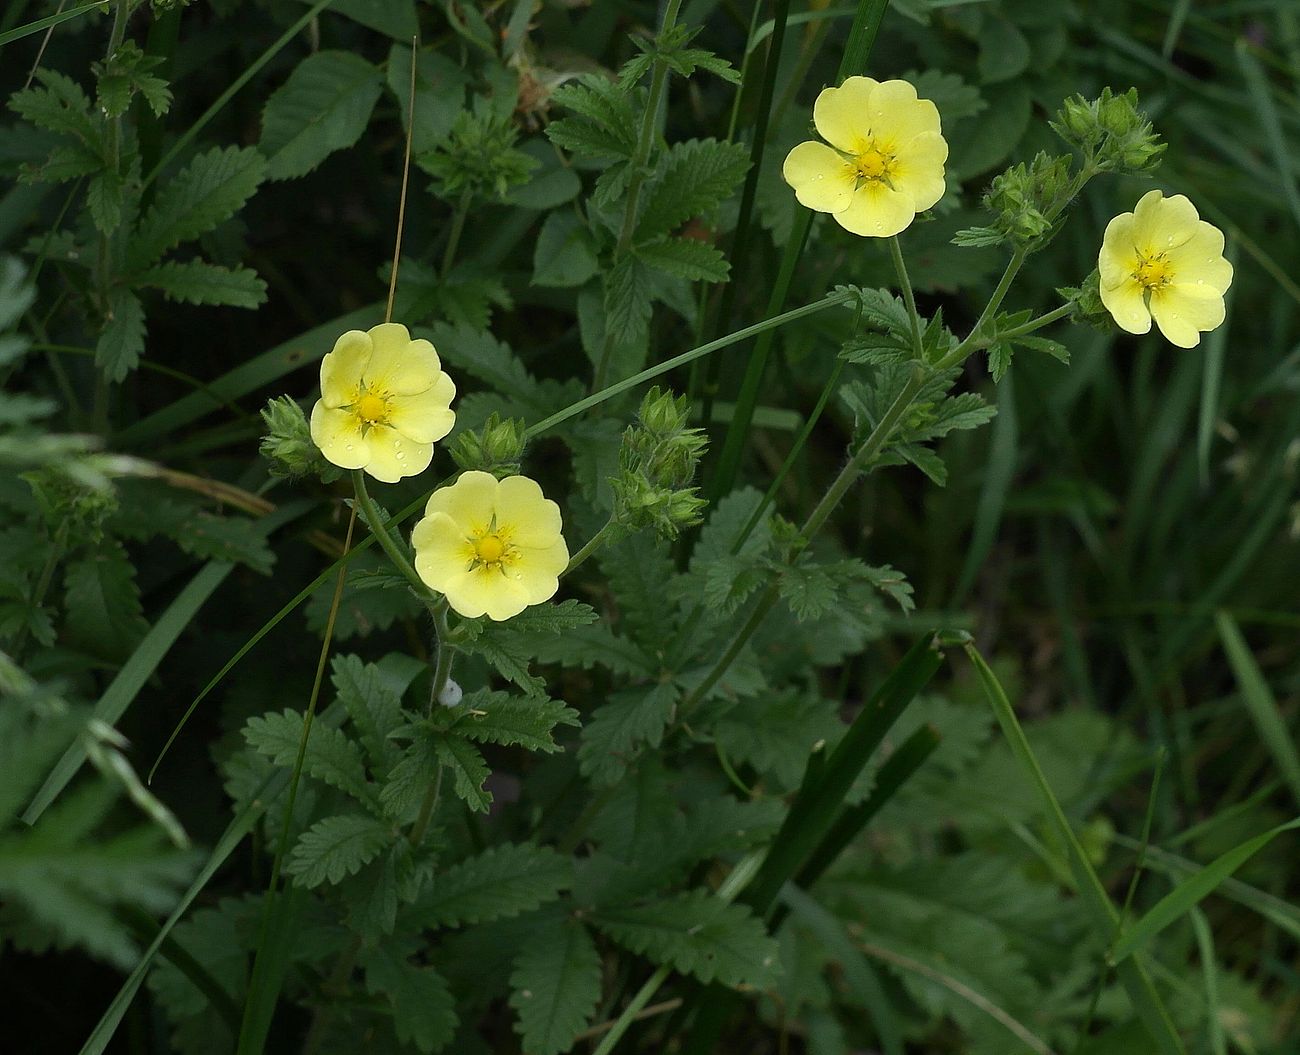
pixel 496 448
pixel 288 445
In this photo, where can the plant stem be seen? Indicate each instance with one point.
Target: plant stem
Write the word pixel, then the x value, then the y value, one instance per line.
pixel 637 167
pixel 457 227
pixel 594 543
pixel 375 522
pixel 958 354
pixel 909 297
pixel 1046 319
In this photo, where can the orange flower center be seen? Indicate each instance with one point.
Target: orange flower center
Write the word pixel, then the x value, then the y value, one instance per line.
pixel 372 408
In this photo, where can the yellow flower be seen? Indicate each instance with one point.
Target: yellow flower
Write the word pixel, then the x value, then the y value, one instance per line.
pixel 1163 261
pixel 886 164
pixel 492 547
pixel 384 401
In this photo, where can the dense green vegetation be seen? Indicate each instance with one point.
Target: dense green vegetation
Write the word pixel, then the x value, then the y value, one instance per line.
pixel 925 677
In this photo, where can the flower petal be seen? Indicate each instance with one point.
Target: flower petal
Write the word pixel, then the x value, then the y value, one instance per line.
pixel 877 211
pixel 426 416
pixel 530 517
pixel 470 501
pixel 1200 262
pixel 393 456
pixel 918 169
pixel 442 551
pixel 1127 306
pixel 537 570
pixel 399 365
pixel 1161 223
pixel 840 114
pixel 342 368
pixel 822 180
pixel 1184 312
pixel 338 435
pixel 1118 258
pixel 896 115
pixel 485 591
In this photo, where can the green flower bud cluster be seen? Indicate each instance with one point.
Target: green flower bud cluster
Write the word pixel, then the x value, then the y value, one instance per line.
pixel 70 505
pixel 496 448
pixel 288 445
pixel 1111 131
pixel 657 464
pixel 1088 306
pixel 477 158
pixel 1026 198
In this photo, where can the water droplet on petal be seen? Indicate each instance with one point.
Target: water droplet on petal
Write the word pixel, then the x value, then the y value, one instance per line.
pixel 348 447
pixel 880 226
pixel 819 177
pixel 1200 281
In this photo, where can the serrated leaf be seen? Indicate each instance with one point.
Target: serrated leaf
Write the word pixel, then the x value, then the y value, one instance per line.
pixel 606 122
pixel 373 706
pixel 628 292
pixel 699 934
pixel 409 780
pixel 467 768
pixel 691 178
pixel 58 106
pixel 336 847
pixel 424 1011
pixel 198 282
pixel 1000 356
pixel 616 731
pixel 499 718
pixel 232 538
pixel 565 255
pixel 121 342
pixel 103 603
pixel 555 987
pixel 686 258
pixel 330 756
pixel 105 196
pixel 776 732
pixel 324 106
pixel 502 881
pixel 211 189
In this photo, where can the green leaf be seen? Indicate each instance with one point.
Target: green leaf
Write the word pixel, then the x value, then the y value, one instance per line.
pixel 565 254
pixel 213 187
pixel 686 258
pixel 616 732
pixel 424 1011
pixel 499 718
pixel 1000 360
pixel 606 122
pixel 690 179
pixel 121 342
pixel 628 291
pixel 555 987
pixel 59 106
pixel 1191 891
pixel 238 539
pixel 336 847
pixel 776 732
pixel 439 93
pixel 503 881
pixel 699 934
pixel 330 756
pixel 323 107
pixel 393 18
pixel 103 602
pixel 105 197
pixel 198 282
pixel 1004 51
pixel 467 768
pixel 373 705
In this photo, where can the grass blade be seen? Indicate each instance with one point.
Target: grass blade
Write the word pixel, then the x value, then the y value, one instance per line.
pixel 1210 970
pixel 47 22
pixel 1262 98
pixel 147 655
pixel 1190 892
pixel 859 975
pixel 1260 702
pixel 1132 975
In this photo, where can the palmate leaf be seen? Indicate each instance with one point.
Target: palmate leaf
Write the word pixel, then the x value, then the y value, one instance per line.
pixel 323 107
pixel 331 757
pixel 555 987
pixel 103 602
pixel 691 178
pixel 699 934
pixel 198 282
pixel 618 730
pixel 503 881
pixel 498 718
pixel 424 1011
pixel 213 187
pixel 336 847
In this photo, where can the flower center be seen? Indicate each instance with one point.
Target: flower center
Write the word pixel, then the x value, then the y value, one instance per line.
pixel 372 408
pixel 873 163
pixel 489 549
pixel 1153 272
